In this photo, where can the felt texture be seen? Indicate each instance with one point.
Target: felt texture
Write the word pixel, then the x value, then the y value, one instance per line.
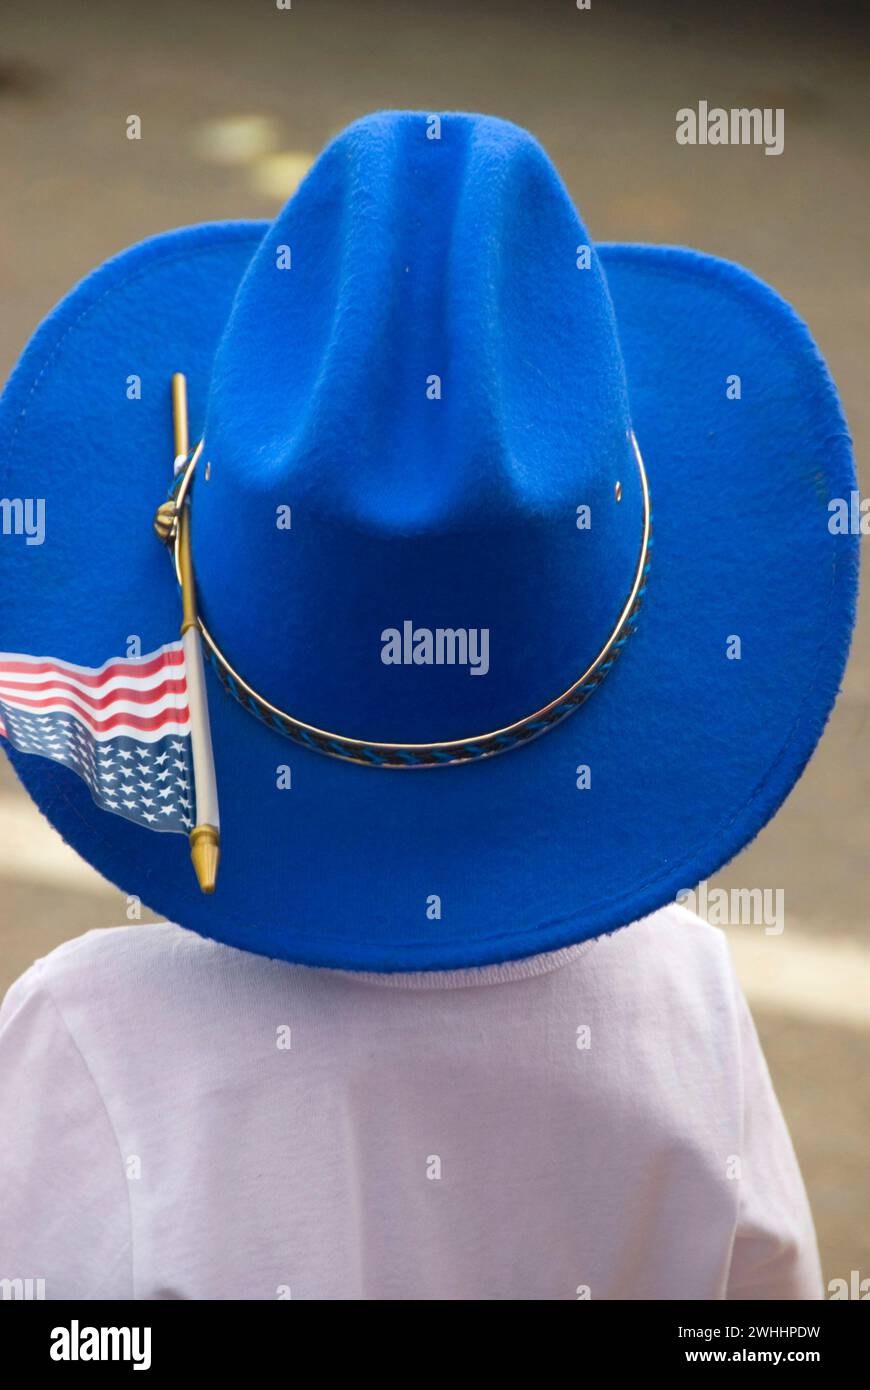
pixel 413 258
pixel 310 384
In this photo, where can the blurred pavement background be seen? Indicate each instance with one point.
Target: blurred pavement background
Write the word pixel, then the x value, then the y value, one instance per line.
pixel 235 98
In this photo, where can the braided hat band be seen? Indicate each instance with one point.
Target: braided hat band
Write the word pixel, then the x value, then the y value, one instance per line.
pixel 373 753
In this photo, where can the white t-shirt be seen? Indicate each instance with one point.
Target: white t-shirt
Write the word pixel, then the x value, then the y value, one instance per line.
pixel 179 1119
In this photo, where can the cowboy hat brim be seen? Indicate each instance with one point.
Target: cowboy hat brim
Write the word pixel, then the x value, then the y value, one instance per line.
pixel 692 742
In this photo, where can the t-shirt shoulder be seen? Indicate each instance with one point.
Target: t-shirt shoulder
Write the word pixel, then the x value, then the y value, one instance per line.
pixel 110 955
pixel 672 940
pixel 671 951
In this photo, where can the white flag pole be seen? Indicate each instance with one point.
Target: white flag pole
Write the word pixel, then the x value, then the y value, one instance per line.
pixel 205 837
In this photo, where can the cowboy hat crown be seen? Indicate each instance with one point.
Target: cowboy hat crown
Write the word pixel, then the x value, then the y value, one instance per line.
pixel 418 423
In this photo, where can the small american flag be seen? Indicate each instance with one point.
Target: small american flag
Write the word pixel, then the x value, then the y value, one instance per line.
pixel 124 727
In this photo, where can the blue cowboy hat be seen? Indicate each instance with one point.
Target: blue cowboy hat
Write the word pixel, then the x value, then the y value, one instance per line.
pixel 435 421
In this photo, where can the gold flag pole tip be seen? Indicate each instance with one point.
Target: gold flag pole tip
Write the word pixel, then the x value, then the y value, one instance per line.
pixel 205 851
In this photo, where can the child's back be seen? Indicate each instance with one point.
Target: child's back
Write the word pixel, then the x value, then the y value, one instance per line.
pixel 180 1119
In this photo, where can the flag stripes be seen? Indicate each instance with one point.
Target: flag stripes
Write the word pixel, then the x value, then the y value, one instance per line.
pixel 123 727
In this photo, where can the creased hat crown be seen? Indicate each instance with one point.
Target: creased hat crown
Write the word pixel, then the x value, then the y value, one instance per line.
pixel 422 365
